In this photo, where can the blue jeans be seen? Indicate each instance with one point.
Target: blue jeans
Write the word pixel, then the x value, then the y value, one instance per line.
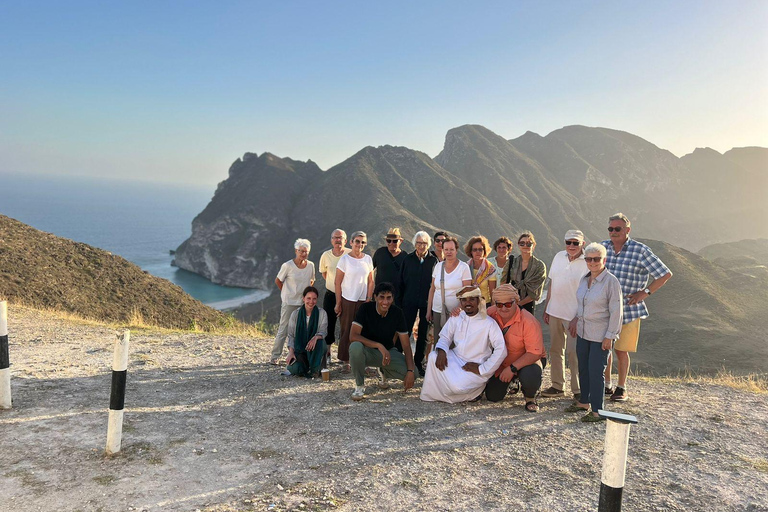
pixel 592 362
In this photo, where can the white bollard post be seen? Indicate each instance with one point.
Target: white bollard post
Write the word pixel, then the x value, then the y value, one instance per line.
pixel 5 360
pixel 614 459
pixel 117 395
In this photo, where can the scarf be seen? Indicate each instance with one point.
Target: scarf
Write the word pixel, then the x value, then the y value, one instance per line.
pixel 304 331
pixel 484 272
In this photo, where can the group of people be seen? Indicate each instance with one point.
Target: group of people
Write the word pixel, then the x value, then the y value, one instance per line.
pixel 486 338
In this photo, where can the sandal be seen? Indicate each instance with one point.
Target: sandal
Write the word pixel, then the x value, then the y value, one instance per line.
pixel 531 406
pixel 590 418
pixel 575 408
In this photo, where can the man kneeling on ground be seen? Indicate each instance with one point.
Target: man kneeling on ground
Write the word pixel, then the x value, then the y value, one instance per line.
pixel 372 342
pixel 470 349
pixel 525 348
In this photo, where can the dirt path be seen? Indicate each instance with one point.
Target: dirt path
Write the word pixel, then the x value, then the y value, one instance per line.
pixel 210 426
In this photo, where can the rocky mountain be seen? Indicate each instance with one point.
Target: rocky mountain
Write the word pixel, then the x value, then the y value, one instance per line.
pixel 748 257
pixel 41 270
pixel 480 182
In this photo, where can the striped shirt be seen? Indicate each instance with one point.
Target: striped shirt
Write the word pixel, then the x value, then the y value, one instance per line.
pixel 632 266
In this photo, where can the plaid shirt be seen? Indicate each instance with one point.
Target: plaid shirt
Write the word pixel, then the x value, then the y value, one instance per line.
pixel 632 266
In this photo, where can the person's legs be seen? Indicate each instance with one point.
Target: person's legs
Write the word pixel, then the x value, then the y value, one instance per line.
pixel 598 359
pixel 300 365
pixel 421 341
pixel 282 331
pixel 557 337
pixel 573 360
pixel 530 380
pixel 397 367
pixel 496 389
pixel 329 302
pixel 361 357
pixel 409 312
pixel 315 358
pixel 582 352
pixel 348 312
pixel 626 343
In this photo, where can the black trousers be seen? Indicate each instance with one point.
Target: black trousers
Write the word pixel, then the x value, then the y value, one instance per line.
pixel 329 302
pixel 410 313
pixel 530 382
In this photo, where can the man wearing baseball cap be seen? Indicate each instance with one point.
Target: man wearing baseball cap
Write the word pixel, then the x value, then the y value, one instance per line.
pixel 565 273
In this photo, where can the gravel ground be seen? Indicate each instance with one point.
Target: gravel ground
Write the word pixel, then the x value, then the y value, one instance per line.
pixel 210 426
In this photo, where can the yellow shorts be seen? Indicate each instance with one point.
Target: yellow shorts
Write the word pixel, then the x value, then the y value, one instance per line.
pixel 628 337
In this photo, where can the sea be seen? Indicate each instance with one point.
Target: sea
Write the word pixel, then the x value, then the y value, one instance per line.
pixel 140 221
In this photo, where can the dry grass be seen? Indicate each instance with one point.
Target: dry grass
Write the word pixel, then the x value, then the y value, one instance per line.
pixel 137 322
pixel 752 383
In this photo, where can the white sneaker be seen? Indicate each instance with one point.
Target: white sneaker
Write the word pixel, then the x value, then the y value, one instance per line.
pixel 383 383
pixel 358 393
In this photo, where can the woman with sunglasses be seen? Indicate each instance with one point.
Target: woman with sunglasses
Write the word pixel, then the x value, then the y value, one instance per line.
pixel 596 326
pixel 483 271
pixel 439 238
pixel 527 273
pixel 354 287
pixel 525 348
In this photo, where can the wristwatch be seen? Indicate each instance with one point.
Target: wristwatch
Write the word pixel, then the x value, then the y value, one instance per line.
pixel 648 291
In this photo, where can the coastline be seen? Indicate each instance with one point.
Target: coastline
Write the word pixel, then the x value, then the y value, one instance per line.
pixel 230 304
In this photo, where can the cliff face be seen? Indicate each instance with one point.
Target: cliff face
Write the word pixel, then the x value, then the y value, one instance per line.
pixel 42 270
pixel 480 183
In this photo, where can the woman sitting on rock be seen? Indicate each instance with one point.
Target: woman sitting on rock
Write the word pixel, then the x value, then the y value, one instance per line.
pixel 596 325
pixel 307 328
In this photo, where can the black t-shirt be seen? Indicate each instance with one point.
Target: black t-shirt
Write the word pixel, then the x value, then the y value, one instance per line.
pixel 388 267
pixel 378 328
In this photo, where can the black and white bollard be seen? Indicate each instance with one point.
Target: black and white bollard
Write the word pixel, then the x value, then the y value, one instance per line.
pixel 614 459
pixel 5 360
pixel 117 396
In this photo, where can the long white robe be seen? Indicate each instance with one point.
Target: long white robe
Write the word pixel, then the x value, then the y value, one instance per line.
pixel 478 339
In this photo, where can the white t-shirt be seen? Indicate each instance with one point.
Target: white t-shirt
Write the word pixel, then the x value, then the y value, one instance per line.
pixel 354 287
pixel 328 264
pixel 564 278
pixel 453 283
pixel 294 280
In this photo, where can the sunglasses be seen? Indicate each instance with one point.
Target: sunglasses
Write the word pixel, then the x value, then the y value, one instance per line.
pixel 573 242
pixel 617 229
pixel 391 241
pixel 439 240
pixel 505 304
pixel 478 249
pixel 358 242
pixel 595 259
pixel 421 243
pixel 525 244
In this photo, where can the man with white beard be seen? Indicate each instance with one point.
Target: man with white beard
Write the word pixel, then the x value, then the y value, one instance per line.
pixel 470 350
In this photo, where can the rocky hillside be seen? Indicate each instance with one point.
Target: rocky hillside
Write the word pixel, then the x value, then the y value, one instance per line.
pixel 41 270
pixel 480 182
pixel 749 257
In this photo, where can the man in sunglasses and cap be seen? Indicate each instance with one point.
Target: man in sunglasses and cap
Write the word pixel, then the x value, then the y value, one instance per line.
pixel 470 349
pixel 388 260
pixel 633 263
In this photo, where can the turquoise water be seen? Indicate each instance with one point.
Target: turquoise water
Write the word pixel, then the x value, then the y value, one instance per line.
pixel 139 221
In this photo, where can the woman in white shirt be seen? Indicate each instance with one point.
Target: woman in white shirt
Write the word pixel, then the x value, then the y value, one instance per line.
pixel 448 277
pixel 354 287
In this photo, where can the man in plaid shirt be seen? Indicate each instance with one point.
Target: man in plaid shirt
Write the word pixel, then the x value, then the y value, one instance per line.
pixel 632 263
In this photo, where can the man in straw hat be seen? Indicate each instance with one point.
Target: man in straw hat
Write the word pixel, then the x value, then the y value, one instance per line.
pixel 388 260
pixel 525 348
pixel 470 349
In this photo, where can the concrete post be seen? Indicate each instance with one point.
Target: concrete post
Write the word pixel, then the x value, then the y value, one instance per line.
pixel 614 459
pixel 117 396
pixel 5 360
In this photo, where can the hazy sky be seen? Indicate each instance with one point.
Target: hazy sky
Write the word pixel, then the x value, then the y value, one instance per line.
pixel 176 91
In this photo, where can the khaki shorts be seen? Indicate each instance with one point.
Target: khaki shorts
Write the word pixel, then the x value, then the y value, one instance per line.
pixel 628 337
